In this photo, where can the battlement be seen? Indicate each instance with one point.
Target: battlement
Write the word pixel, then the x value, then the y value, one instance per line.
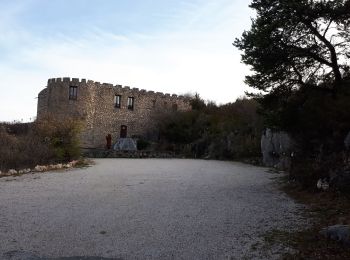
pixel 133 113
pixel 73 81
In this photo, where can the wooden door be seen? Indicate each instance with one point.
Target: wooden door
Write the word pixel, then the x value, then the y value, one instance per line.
pixel 123 131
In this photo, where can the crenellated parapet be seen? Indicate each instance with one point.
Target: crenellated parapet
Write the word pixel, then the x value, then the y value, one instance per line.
pixel 75 81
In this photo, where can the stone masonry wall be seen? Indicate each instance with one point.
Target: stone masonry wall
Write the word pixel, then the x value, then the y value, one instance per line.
pixel 96 108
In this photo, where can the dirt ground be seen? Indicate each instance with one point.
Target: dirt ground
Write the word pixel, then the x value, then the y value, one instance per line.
pixel 145 209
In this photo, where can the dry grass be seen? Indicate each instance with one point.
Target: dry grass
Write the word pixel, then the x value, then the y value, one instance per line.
pixel 43 142
pixel 325 209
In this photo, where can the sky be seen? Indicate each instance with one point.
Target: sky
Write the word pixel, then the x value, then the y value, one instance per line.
pixel 170 46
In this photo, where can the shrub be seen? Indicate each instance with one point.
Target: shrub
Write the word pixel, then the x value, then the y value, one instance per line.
pixel 62 136
pixel 21 151
pixel 318 121
pixel 44 142
pixel 229 131
pixel 142 144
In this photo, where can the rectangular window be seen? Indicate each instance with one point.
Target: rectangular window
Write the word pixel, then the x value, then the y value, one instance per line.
pixel 73 92
pixel 131 103
pixel 174 107
pixel 117 101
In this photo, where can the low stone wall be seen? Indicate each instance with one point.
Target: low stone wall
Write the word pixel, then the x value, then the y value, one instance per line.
pixel 41 168
pixel 100 153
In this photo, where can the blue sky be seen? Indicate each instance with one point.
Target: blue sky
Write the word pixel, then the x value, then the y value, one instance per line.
pixel 169 46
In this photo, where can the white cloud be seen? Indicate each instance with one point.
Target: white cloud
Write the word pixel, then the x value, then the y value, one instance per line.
pixel 197 57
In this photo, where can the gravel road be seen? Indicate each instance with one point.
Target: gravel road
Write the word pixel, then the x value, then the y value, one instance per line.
pixel 144 209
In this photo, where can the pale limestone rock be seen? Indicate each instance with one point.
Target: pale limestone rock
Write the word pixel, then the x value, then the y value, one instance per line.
pixel 40 168
pixel 319 184
pixel 276 148
pixel 67 165
pixel 322 184
pixel 347 141
pixel 12 171
pixel 74 162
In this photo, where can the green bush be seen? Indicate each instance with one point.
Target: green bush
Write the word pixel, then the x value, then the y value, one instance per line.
pixel 142 144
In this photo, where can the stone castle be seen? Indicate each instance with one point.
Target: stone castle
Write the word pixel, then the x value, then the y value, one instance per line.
pixel 106 109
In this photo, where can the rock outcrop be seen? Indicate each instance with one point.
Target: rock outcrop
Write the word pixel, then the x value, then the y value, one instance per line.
pixel 276 148
pixel 347 141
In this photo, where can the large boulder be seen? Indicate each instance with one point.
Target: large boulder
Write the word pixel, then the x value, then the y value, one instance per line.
pixel 12 171
pixel 347 141
pixel 276 148
pixel 340 233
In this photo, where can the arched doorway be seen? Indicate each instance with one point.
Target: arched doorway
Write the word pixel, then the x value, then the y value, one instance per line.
pixel 123 131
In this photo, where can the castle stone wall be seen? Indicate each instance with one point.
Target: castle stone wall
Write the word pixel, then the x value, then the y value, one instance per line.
pixel 95 107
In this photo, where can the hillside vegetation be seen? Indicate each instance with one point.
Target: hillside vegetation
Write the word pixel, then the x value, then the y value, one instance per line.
pixel 299 54
pixel 42 142
pixel 230 131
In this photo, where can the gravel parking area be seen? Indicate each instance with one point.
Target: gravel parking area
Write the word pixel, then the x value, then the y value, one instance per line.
pixel 144 209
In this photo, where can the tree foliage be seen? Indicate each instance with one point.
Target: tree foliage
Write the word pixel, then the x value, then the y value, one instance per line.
pixel 293 44
pixel 227 131
pixel 299 53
